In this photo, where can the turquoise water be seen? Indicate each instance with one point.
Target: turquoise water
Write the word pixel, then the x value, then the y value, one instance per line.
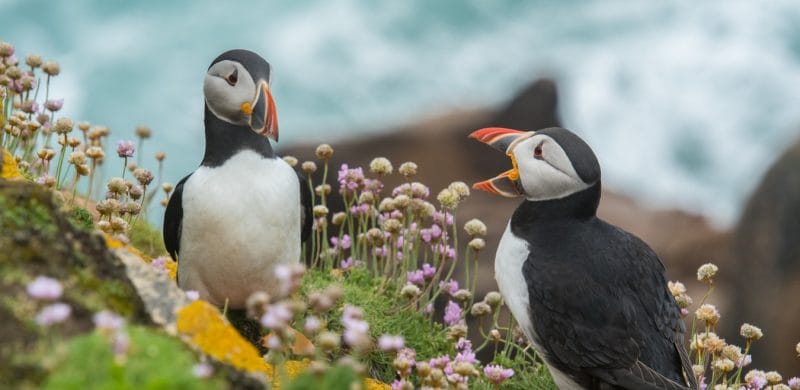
pixel 686 103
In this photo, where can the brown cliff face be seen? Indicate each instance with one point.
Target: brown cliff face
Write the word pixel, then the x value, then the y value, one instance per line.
pixel 766 248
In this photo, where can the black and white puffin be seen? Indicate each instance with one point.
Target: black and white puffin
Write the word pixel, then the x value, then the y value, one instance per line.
pixel 244 210
pixel 591 297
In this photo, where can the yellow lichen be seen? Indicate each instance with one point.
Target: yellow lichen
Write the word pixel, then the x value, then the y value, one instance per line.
pixel 169 264
pixel 205 328
pixel 9 170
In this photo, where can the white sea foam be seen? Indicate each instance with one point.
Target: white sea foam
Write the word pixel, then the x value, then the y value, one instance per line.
pixel 686 103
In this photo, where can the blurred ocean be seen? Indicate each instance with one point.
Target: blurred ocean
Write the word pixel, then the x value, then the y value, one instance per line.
pixel 686 103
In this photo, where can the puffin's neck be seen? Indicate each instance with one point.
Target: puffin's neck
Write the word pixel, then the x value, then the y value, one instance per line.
pixel 581 205
pixel 224 139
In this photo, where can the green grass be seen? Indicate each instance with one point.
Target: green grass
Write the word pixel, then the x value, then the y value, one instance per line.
pixel 146 238
pixel 155 361
pixel 428 338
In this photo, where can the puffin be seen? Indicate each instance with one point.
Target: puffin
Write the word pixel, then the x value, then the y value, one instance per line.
pixel 591 298
pixel 244 210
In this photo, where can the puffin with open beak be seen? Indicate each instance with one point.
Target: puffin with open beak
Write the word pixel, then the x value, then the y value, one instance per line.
pixel 244 210
pixel 591 297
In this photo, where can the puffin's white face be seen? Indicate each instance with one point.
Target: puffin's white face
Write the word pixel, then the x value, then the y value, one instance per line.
pixel 545 170
pixel 229 91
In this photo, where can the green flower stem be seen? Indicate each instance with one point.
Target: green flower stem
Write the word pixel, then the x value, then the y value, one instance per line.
pixel 60 162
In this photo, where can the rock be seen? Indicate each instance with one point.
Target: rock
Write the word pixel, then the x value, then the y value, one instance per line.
pixel 38 239
pixel 767 263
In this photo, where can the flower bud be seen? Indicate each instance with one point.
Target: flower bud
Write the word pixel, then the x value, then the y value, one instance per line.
pixel 324 152
pixel 143 132
pixel 51 68
pixel 338 218
pixel 408 169
pixel 291 160
pixel 309 167
pixel 380 166
pixel 493 298
pixel 480 309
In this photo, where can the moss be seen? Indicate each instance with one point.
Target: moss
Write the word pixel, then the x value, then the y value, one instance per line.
pixel 146 238
pixel 154 361
pixel 428 338
pixel 44 240
pixel 81 218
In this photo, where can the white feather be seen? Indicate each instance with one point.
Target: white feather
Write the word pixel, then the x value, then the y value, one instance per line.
pixel 239 221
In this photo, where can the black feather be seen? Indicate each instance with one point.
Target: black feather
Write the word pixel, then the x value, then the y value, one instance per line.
pixel 306 215
pixel 173 219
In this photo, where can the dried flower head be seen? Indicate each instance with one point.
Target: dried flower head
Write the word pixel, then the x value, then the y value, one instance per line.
pixel 309 167
pixel 477 244
pixel 6 49
pixel 462 295
pixel 256 304
pixel 475 227
pixel 493 298
pixel 408 169
pixel 119 225
pixel 392 225
pixel 76 158
pixel 381 166
pixel 143 132
pixel 160 156
pixel 322 189
pixel 338 218
pixel 291 160
pixel 320 211
pixel 480 309
pixel 117 185
pixel 33 60
pixel 773 377
pixel 707 313
pixel 706 272
pixel 133 208
pixel 459 188
pixel 797 349
pixel 95 153
pixel 143 176
pixel 63 125
pixel 751 332
pixel 84 126
pixel 448 199
pixel 324 152
pixel 723 365
pixel 54 105
pixel 51 68
pixel 410 291
pixel 676 288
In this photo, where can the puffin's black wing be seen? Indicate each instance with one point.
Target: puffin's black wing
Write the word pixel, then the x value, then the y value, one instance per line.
pixel 600 307
pixel 306 216
pixel 173 219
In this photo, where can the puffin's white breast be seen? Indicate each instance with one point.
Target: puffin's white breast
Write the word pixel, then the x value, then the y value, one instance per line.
pixel 239 221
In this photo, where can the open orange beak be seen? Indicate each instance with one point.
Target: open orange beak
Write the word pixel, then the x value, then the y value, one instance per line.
pixel 507 183
pixel 263 114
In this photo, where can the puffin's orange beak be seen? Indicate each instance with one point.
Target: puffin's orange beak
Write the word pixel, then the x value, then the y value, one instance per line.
pixel 507 183
pixel 263 114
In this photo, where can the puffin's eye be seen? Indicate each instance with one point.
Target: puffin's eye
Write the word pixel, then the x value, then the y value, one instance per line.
pixel 233 77
pixel 537 152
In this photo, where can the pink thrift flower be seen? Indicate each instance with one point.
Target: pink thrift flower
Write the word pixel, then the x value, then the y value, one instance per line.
pixel 54 104
pixel 794 383
pixel 193 295
pixel 390 343
pixel 497 374
pixel 44 288
pixel 416 277
pixel 125 149
pixel 160 264
pixel 202 370
pixel 443 218
pixel 428 271
pixel 53 314
pixel 108 321
pixel 452 313
pixel 277 316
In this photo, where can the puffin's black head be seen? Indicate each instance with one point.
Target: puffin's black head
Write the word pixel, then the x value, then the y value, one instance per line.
pixel 236 89
pixel 547 164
